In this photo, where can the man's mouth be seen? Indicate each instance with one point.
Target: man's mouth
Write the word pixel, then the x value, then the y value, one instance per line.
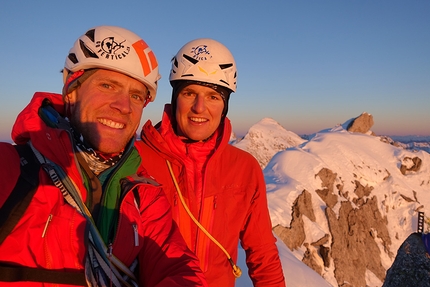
pixel 111 124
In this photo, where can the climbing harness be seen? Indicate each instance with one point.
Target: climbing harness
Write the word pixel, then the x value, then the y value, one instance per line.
pixel 101 263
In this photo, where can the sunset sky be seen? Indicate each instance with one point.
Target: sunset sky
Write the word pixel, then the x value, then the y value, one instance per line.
pixel 309 65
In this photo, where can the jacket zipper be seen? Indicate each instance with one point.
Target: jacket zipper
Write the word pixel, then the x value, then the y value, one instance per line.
pixel 136 235
pixel 110 250
pixel 122 196
pixel 46 225
pixel 134 226
pixel 215 198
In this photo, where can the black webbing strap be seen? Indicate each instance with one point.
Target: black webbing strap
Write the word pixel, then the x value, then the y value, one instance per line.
pixel 20 197
pixel 10 273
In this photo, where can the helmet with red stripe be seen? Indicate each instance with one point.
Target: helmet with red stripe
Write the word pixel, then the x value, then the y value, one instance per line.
pixel 117 49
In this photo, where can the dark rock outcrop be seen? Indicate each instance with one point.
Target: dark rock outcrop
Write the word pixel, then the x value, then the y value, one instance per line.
pixel 410 165
pixel 411 268
pixel 354 231
pixel 361 124
pixel 294 236
pixel 354 248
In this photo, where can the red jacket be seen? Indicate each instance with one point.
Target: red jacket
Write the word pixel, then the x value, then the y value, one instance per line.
pixel 225 189
pixel 164 259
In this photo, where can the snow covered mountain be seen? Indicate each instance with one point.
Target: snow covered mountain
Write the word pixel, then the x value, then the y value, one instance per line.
pixel 265 139
pixel 341 203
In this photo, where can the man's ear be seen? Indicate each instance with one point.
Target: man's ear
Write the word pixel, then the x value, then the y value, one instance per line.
pixel 65 74
pixel 70 98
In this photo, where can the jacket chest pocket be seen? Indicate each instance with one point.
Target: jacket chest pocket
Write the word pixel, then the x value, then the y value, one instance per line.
pixel 127 242
pixel 63 235
pixel 232 206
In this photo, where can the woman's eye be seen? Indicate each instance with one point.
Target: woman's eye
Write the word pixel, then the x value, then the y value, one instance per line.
pixel 216 97
pixel 188 94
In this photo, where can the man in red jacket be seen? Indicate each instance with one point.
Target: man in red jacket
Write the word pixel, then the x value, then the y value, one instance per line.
pixel 217 191
pixel 90 220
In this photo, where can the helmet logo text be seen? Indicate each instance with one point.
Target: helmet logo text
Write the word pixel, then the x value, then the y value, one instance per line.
pixel 201 53
pixel 111 49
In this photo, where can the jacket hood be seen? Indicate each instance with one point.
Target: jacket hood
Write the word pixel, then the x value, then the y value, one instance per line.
pixel 155 136
pixel 224 129
pixel 54 143
pixel 28 123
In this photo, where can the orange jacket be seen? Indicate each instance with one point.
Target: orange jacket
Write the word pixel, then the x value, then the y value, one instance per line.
pixel 225 190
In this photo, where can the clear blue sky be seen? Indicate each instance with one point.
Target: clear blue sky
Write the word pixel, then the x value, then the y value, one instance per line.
pixel 307 64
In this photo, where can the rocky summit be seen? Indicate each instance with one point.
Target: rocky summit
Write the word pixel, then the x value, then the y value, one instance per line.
pixel 344 200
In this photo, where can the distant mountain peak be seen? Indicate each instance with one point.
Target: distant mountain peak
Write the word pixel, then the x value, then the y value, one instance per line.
pixel 361 124
pixel 266 138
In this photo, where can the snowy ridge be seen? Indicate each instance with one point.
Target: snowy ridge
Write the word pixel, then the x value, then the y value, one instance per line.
pixel 265 139
pixel 313 183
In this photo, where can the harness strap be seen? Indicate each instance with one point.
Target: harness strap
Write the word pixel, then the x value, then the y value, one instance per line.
pixel 12 211
pixel 20 197
pixel 11 273
pixel 109 264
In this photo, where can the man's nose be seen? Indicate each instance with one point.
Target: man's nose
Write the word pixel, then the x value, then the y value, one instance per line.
pixel 122 103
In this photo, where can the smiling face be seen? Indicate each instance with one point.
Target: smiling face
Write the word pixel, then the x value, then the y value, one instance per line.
pixel 198 112
pixel 106 109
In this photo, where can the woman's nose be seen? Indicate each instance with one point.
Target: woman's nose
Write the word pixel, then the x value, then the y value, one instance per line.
pixel 199 104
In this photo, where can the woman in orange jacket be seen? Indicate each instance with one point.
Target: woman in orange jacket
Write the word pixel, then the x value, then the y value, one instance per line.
pixel 217 191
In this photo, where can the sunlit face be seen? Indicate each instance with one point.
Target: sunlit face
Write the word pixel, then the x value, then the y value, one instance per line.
pixel 106 109
pixel 198 112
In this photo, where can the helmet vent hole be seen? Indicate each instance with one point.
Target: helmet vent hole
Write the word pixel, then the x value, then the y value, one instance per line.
pixel 72 57
pixel 90 34
pixel 194 61
pixel 87 52
pixel 224 82
pixel 225 66
pixel 175 62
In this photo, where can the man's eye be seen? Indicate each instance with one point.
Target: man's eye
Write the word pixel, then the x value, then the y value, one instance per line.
pixel 107 86
pixel 137 97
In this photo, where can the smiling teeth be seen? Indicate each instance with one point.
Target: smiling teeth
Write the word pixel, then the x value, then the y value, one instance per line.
pixel 111 124
pixel 198 120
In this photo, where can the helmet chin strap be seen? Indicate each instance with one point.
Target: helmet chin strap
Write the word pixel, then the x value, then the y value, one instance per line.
pixel 69 78
pixel 73 80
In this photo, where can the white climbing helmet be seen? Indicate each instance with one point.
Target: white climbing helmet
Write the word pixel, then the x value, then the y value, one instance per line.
pixel 205 60
pixel 117 49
